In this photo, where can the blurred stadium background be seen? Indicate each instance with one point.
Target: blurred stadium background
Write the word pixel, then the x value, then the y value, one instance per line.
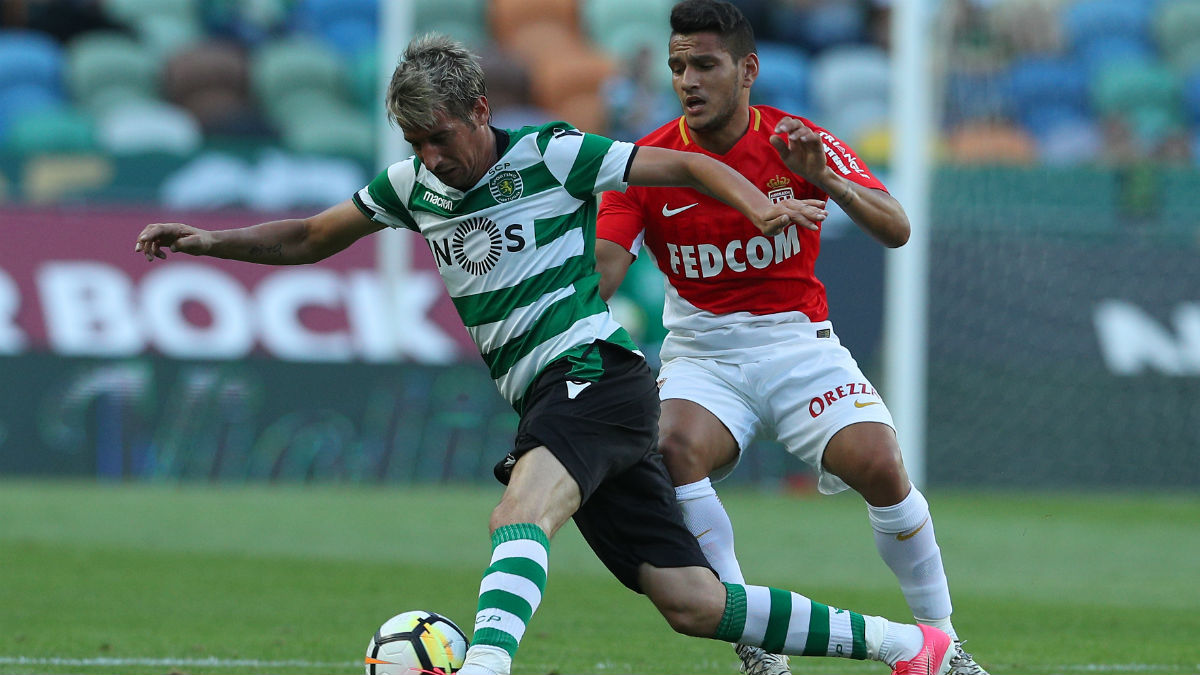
pixel 1063 329
pixel 1064 312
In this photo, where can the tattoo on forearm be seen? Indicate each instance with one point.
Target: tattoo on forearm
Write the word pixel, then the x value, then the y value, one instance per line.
pixel 848 196
pixel 260 251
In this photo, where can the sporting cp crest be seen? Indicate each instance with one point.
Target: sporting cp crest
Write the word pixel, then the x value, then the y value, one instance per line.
pixel 779 189
pixel 506 186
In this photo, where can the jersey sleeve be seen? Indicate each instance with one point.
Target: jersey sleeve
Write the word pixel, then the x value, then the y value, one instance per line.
pixel 842 159
pixel 381 199
pixel 620 221
pixel 586 164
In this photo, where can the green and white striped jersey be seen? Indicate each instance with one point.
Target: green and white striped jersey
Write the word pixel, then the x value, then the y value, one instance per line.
pixel 517 251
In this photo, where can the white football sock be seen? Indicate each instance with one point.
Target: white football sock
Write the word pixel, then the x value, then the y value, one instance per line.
pixel 706 519
pixel 906 542
pixel 486 660
pixel 942 624
pixel 892 642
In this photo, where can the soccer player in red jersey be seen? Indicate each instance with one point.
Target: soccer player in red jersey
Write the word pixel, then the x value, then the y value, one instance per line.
pixel 750 347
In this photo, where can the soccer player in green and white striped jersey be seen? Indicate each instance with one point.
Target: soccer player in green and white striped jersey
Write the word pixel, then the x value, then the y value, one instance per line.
pixel 510 219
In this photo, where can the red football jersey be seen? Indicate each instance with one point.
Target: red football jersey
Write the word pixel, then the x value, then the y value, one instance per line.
pixel 713 256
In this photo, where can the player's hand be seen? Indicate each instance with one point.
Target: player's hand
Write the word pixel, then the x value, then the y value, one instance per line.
pixel 800 148
pixel 175 236
pixel 807 213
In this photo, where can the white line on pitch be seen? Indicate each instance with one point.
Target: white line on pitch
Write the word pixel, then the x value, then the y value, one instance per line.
pixel 209 662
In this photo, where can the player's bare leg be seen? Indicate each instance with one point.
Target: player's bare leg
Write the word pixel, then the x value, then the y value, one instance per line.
pixel 540 497
pixel 693 443
pixel 867 457
pixel 540 491
pixel 695 603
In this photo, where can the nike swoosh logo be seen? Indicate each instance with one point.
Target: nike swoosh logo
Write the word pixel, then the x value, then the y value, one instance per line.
pixel 704 533
pixel 670 212
pixel 573 388
pixel 905 536
pixel 860 404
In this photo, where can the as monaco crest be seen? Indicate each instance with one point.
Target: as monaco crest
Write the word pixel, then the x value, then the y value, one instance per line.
pixel 779 189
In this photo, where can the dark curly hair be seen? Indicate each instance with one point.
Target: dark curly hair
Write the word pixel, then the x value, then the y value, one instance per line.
pixel 715 16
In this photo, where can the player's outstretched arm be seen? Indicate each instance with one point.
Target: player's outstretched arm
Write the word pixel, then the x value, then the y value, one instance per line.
pixel 663 167
pixel 877 212
pixel 294 241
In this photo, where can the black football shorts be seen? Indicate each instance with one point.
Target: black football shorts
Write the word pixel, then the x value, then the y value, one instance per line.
pixel 606 435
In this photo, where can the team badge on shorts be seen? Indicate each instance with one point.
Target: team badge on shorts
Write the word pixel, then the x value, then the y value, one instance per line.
pixel 506 186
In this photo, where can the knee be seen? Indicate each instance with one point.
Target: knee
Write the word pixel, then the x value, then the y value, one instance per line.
pixel 883 466
pixel 695 616
pixel 681 452
pixel 693 605
pixel 675 442
pixel 873 466
pixel 503 514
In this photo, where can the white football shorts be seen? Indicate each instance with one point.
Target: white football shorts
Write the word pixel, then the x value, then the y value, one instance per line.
pixel 803 391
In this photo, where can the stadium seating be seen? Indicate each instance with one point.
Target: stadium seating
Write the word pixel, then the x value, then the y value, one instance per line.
pixel 850 73
pixel 209 80
pixel 471 34
pixel 625 43
pixel 283 69
pixel 818 27
pixel 148 127
pixel 1047 91
pixel 1087 20
pixel 25 99
pixel 857 119
pixel 107 61
pixel 165 34
pixel 976 95
pixel 507 17
pixel 432 12
pixel 1063 71
pixel 29 57
pixel 539 39
pixel 557 80
pixel 1176 29
pixel 602 18
pixel 1122 89
pixel 783 77
pixel 1068 141
pixel 991 143
pixel 1191 97
pixel 1095 54
pixel 507 79
pixel 331 130
pixel 1028 27
pixel 132 11
pixel 52 131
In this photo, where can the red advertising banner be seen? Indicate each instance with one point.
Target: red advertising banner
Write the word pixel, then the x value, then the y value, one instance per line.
pixel 71 284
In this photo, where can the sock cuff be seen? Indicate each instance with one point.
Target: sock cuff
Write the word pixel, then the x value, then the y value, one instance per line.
pixel 902 517
pixel 698 490
pixel 517 531
pixel 733 621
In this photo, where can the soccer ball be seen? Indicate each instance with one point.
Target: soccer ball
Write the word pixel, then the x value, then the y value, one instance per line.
pixel 418 641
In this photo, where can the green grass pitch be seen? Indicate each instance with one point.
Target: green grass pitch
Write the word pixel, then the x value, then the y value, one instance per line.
pixel 137 579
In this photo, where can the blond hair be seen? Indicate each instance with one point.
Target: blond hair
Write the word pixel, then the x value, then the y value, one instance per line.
pixel 436 74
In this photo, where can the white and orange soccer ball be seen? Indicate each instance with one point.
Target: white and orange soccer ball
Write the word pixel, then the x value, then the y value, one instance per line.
pixel 415 642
